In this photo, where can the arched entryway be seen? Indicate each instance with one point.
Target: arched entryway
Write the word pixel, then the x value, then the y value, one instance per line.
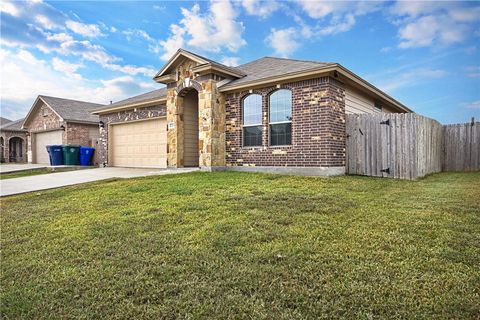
pixel 190 128
pixel 15 147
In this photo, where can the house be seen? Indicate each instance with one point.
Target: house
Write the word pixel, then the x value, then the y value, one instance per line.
pixel 271 114
pixel 13 141
pixel 54 120
pixel 4 121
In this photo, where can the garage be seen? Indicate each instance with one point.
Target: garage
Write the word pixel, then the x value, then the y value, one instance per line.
pixel 141 144
pixel 43 139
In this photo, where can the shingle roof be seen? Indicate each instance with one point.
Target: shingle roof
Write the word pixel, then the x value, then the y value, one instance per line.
pixel 268 67
pixel 4 121
pixel 144 97
pixel 13 126
pixel 73 110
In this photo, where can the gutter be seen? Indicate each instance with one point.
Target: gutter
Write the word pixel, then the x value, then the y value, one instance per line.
pixel 128 106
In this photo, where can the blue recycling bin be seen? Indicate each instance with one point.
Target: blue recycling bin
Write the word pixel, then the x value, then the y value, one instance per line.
pixel 86 156
pixel 55 153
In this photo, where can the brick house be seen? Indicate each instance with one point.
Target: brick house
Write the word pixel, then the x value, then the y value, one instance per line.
pixel 13 141
pixel 271 114
pixel 54 120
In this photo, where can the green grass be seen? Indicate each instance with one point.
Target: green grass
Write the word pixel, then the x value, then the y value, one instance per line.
pixel 244 246
pixel 33 172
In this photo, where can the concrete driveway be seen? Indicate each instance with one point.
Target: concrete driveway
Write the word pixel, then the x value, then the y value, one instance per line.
pixel 60 179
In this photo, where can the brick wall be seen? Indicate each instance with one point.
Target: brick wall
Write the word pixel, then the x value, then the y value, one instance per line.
pixel 120 117
pixel 43 119
pixel 318 127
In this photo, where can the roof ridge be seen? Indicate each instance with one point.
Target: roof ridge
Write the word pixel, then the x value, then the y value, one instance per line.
pixel 83 101
pixel 299 60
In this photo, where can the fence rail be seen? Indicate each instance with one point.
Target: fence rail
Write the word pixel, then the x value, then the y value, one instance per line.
pixel 408 146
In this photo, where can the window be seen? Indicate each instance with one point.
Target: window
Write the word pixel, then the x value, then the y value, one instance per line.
pixel 280 110
pixel 252 120
pixel 378 106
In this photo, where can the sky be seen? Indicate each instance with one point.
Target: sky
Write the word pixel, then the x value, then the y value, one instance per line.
pixel 424 54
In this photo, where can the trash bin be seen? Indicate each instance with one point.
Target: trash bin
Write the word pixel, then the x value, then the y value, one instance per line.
pixel 55 153
pixel 86 156
pixel 71 155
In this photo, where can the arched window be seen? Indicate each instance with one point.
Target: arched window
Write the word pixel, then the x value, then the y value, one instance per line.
pixel 280 112
pixel 252 120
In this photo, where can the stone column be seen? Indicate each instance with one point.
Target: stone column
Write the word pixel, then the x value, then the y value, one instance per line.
pixel 175 129
pixel 211 112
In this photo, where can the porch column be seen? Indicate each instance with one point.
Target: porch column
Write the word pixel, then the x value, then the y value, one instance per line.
pixel 174 129
pixel 211 113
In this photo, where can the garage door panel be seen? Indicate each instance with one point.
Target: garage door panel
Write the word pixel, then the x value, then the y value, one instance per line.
pixel 42 140
pixel 140 144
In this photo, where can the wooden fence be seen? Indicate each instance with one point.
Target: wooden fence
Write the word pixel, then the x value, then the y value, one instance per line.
pixel 408 146
pixel 462 147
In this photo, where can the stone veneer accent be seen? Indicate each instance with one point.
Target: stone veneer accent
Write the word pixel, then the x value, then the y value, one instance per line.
pixel 318 127
pixel 211 112
pixel 122 117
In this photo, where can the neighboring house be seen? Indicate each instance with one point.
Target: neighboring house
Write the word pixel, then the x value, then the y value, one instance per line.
pixel 13 141
pixel 271 114
pixel 4 121
pixel 53 121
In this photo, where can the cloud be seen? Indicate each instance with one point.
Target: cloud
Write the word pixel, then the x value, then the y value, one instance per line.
pixel 29 76
pixel 210 31
pixel 137 33
pixel 473 71
pixel 410 78
pixel 230 61
pixel 283 41
pixel 260 8
pixel 172 44
pixel 69 69
pixel 85 30
pixel 131 70
pixel 9 8
pixel 471 105
pixel 322 9
pixel 428 23
pixel 428 30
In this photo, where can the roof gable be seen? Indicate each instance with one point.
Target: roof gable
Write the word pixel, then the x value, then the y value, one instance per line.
pixel 177 58
pixel 204 65
pixel 66 109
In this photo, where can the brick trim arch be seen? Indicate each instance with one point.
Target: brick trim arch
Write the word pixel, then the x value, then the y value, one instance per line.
pixel 186 85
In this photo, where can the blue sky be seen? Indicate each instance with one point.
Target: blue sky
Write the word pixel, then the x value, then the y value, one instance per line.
pixel 425 54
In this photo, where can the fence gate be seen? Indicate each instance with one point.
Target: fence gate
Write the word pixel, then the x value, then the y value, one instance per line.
pixel 368 145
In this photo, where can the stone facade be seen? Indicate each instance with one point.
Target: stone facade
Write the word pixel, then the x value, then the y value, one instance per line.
pixel 318 127
pixel 120 117
pixel 211 111
pixel 5 152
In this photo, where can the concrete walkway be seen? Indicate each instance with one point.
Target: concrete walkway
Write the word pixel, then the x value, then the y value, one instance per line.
pixel 14 167
pixel 56 180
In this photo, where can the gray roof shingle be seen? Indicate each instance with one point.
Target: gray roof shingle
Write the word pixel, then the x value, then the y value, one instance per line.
pixel 268 67
pixel 4 121
pixel 144 97
pixel 13 126
pixel 73 110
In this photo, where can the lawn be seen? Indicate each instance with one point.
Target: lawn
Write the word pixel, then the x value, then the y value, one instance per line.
pixel 244 246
